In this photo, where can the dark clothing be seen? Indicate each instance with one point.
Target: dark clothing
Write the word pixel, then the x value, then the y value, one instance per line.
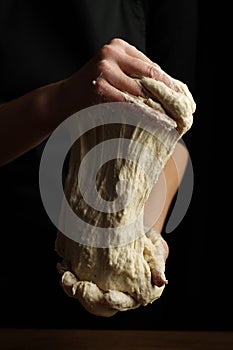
pixel 40 44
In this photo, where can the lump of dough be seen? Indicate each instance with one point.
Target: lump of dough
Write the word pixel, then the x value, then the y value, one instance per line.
pixel 125 276
pixel 107 280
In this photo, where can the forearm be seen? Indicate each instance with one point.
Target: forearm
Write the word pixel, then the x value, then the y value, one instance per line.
pixel 29 119
pixel 165 189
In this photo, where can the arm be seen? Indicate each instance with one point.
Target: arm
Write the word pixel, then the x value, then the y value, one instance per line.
pixel 29 119
pixel 165 189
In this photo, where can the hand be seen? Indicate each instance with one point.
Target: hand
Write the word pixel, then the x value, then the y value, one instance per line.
pixel 111 71
pixel 29 119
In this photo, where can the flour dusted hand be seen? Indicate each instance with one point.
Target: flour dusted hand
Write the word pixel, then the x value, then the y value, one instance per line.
pixel 123 277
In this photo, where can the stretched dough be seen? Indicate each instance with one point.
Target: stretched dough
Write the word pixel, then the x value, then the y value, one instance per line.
pixel 123 277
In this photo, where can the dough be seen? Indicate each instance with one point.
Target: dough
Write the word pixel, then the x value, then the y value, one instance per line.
pixel 120 276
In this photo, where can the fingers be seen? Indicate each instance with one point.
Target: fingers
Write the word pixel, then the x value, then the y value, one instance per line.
pixel 131 50
pixel 111 61
pixel 156 253
pixel 157 278
pixel 119 63
pixel 106 91
pixel 113 71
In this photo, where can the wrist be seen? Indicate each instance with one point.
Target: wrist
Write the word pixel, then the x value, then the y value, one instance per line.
pixel 50 106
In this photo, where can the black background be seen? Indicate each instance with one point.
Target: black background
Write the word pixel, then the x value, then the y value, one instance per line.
pixel 199 293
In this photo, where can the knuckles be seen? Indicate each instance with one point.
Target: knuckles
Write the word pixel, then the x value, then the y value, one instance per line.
pixel 117 42
pixel 104 65
pixel 111 49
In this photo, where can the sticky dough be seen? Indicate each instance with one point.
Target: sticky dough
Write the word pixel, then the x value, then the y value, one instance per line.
pixel 125 276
